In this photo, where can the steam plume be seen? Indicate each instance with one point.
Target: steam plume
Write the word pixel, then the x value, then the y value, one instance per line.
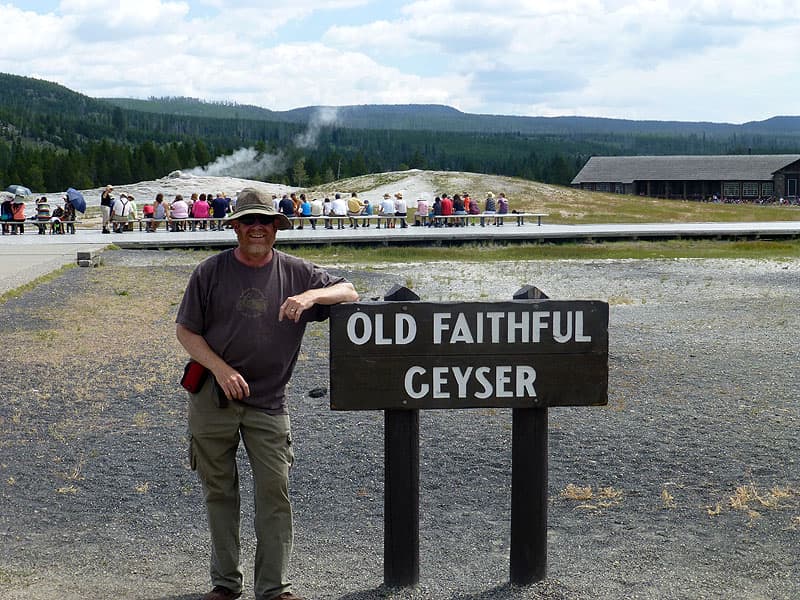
pixel 245 163
pixel 323 116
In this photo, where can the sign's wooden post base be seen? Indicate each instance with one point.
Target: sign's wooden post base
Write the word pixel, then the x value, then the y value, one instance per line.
pixel 401 498
pixel 528 560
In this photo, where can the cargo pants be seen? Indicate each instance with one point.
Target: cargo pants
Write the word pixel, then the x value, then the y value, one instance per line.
pixel 214 439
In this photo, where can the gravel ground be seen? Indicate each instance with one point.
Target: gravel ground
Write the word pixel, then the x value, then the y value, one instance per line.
pixel 687 485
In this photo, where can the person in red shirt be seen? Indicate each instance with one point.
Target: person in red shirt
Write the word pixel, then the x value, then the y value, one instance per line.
pixel 447 209
pixel 18 215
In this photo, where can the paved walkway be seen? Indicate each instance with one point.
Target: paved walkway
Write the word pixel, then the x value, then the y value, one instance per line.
pixel 23 258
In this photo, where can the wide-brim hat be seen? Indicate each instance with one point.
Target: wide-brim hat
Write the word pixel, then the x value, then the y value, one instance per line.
pixel 251 201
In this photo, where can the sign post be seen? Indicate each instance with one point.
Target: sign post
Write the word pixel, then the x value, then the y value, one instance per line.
pixel 529 460
pixel 401 486
pixel 527 354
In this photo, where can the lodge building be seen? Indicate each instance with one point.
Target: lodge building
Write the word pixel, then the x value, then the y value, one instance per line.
pixel 741 177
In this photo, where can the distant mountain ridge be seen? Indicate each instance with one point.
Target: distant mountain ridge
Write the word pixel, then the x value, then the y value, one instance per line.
pixel 438 117
pixel 43 95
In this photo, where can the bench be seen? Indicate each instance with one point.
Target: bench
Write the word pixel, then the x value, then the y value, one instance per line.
pixel 42 227
pixel 188 224
pixel 481 218
pixel 429 220
pixel 341 221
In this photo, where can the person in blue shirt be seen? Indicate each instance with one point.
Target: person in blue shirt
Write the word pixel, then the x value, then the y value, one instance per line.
pixel 368 212
pixel 305 210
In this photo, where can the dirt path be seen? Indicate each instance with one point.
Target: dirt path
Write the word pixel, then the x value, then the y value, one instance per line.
pixel 687 485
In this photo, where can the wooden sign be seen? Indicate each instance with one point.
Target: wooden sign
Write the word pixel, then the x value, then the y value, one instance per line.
pixel 518 354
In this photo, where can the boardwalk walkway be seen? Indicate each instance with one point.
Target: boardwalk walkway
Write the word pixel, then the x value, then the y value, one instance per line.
pixel 23 258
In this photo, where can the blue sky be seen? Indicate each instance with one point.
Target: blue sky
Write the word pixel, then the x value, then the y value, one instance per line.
pixel 695 60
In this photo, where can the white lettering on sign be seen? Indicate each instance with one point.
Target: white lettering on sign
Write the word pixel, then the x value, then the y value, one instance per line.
pixel 509 327
pixel 515 327
pixel 443 383
pixel 439 326
pixel 361 329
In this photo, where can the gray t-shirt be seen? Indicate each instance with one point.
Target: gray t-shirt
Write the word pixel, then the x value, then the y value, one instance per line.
pixel 235 308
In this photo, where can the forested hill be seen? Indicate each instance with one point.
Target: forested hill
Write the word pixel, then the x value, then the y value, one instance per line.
pixel 52 137
pixel 432 117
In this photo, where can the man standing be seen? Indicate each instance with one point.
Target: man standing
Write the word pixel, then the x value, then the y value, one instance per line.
pixel 106 202
pixel 219 208
pixel 243 317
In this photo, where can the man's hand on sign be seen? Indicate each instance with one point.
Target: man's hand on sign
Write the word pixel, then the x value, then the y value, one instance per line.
pixel 293 307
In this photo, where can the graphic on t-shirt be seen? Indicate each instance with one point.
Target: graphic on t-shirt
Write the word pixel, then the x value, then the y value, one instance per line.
pixel 252 303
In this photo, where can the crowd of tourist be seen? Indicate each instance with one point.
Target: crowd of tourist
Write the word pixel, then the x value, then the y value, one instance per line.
pixel 199 211
pixel 207 211
pixel 60 219
pixel 393 210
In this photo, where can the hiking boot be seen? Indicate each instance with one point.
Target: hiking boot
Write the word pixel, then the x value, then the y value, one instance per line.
pixel 220 592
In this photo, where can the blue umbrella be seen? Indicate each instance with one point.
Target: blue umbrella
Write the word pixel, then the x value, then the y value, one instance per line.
pixel 76 198
pixel 18 190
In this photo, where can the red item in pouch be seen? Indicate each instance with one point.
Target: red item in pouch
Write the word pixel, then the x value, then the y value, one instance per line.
pixel 194 376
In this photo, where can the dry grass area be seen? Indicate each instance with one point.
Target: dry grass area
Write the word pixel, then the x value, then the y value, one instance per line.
pixel 604 497
pixel 114 318
pixel 91 342
pixel 562 204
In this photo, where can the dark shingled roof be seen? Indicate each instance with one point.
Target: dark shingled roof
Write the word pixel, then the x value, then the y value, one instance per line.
pixel 627 169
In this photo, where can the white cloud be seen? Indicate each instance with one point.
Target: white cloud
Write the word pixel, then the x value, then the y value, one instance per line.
pixel 705 59
pixel 33 35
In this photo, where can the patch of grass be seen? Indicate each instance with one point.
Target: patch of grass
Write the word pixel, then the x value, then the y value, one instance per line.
pixel 747 498
pixel 605 497
pixel 23 289
pixel 667 499
pixel 638 250
pixel 74 474
pixel 576 492
pixel 619 300
pixel 746 495
pixel 610 493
